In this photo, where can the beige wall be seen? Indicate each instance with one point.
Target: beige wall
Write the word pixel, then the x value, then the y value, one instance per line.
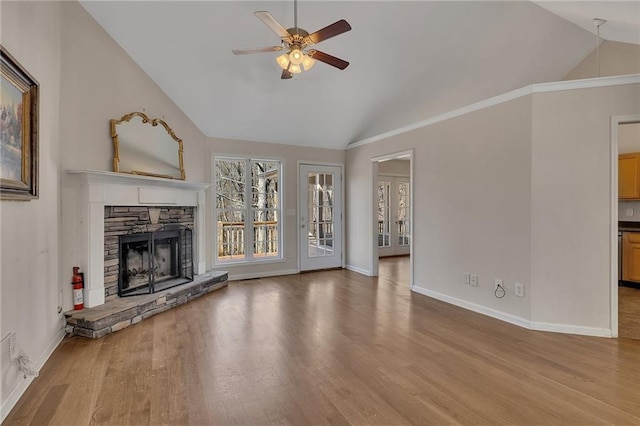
pixel 29 285
pixel 518 191
pixel 395 167
pixel 570 203
pixel 99 81
pixel 291 155
pixel 471 204
pixel 628 138
pixel 85 80
pixel 615 59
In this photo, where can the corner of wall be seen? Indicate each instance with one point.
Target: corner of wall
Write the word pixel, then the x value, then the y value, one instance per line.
pixel 615 58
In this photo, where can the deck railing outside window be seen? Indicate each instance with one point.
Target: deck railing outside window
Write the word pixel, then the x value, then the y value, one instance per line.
pixel 231 239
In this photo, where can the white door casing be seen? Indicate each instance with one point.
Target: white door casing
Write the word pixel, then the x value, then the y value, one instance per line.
pixel 320 216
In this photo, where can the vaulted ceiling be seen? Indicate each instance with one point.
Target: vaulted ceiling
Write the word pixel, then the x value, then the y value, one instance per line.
pixel 409 61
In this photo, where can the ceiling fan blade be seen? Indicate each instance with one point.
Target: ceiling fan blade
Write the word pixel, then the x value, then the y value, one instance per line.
pixel 328 59
pixel 271 22
pixel 286 75
pixel 327 32
pixel 257 50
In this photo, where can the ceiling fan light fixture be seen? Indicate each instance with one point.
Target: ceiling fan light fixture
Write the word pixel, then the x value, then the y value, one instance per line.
pixel 307 62
pixel 296 56
pixel 283 61
pixel 295 69
pixel 295 40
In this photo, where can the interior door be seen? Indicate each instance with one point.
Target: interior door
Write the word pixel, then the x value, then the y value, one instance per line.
pixel 394 216
pixel 320 217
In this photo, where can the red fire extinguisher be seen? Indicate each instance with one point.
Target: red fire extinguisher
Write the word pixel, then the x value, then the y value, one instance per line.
pixel 78 284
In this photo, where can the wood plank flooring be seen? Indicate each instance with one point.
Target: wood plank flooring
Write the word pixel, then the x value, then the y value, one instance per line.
pixel 629 312
pixel 333 347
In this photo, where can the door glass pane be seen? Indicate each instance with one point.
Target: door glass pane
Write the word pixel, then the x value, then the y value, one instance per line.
pixel 320 213
pixel 404 211
pixel 384 213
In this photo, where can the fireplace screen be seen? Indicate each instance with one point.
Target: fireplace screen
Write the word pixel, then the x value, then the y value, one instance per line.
pixel 155 261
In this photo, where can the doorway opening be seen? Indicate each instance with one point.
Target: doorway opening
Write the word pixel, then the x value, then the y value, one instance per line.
pixel 625 286
pixel 394 219
pixel 392 215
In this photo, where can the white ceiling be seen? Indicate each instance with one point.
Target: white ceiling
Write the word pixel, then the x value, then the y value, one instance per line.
pixel 409 60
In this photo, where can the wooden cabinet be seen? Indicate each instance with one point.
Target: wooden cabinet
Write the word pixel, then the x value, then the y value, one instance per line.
pixel 631 256
pixel 629 176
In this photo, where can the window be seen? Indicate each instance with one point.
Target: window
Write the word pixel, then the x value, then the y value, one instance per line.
pixel 247 209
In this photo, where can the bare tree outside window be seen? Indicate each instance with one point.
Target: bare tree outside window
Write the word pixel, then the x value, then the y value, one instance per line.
pixel 247 209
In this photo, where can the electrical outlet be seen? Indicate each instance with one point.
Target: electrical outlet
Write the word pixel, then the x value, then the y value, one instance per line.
pixel 498 284
pixel 629 212
pixel 474 281
pixel 467 278
pixel 519 289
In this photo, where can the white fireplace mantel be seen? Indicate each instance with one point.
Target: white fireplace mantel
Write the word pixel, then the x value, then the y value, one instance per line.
pixel 98 189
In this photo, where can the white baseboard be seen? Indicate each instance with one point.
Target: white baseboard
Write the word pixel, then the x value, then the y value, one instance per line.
pixel 252 275
pixel 358 270
pixel 512 319
pixel 21 386
pixel 516 320
pixel 570 329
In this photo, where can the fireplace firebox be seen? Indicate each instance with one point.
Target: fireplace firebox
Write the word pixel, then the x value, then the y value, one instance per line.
pixel 155 261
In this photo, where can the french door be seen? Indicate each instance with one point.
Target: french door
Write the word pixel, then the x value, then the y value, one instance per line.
pixel 320 216
pixel 394 216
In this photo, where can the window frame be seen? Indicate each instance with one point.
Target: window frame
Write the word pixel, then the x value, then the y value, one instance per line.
pixel 248 210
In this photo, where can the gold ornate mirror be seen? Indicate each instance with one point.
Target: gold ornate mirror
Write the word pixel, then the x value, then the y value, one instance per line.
pixel 146 147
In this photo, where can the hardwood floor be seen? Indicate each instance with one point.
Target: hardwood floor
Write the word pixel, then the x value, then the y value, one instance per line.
pixel 629 312
pixel 333 347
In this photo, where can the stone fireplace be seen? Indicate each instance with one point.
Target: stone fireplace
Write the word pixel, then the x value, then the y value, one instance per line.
pixel 111 205
pixel 147 249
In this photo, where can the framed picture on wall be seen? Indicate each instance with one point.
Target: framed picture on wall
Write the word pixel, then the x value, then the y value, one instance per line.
pixel 18 131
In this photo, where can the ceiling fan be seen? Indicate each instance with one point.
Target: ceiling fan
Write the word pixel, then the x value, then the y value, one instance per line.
pixel 295 42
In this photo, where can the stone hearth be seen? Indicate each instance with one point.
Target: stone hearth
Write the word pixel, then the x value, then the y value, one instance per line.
pixel 119 313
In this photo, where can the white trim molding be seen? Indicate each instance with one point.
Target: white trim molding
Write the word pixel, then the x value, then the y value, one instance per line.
pixel 514 319
pixel 358 270
pixel 587 83
pixel 300 209
pixel 97 189
pixel 254 275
